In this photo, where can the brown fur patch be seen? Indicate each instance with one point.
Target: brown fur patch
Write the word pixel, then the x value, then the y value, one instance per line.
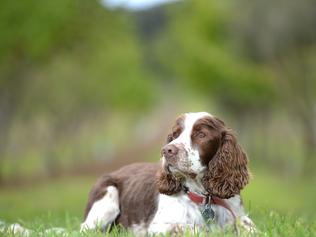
pixel 137 192
pixel 176 129
pixel 167 183
pixel 228 171
pixel 209 144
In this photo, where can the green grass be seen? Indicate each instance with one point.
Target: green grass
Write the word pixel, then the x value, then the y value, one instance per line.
pixel 271 224
pixel 283 195
pixel 278 207
pixel 58 198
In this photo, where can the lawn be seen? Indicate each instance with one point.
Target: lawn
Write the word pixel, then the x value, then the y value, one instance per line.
pixel 278 207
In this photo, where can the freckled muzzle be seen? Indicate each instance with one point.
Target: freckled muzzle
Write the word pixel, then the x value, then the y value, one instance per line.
pixel 176 157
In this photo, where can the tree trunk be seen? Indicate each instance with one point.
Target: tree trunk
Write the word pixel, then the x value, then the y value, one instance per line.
pixel 309 139
pixel 5 122
pixel 11 92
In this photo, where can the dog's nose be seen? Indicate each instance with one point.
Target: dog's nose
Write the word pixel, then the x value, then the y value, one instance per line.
pixel 169 151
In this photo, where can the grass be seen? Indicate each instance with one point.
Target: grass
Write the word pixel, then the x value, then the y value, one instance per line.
pixel 271 224
pixel 58 198
pixel 278 207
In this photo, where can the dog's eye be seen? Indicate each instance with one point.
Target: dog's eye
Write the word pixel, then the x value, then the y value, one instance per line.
pixel 200 134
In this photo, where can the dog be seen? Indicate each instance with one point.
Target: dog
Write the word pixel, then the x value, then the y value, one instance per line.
pixel 195 186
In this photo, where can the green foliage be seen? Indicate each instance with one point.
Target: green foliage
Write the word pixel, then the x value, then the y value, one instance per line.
pixel 73 55
pixel 61 64
pixel 200 51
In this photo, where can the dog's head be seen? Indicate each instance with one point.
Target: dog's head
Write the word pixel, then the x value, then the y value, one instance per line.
pixel 200 146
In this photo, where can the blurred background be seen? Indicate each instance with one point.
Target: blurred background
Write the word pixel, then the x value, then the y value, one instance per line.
pixel 88 86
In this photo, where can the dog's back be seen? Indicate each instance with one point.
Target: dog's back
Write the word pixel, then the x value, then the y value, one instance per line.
pixel 131 188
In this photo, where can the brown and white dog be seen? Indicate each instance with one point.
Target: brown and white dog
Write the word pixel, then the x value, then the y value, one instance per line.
pixel 200 176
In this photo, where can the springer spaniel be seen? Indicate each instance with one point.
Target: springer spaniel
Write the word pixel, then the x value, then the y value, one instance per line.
pixel 196 186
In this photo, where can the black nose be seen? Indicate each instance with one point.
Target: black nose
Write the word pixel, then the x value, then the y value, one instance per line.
pixel 169 151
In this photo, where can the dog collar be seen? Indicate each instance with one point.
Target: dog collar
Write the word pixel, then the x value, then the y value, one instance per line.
pixel 205 200
pixel 198 199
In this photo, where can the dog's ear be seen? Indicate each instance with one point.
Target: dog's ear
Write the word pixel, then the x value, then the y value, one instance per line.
pixel 167 183
pixel 228 170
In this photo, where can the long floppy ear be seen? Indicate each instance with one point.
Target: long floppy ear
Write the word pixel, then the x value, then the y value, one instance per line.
pixel 167 183
pixel 228 170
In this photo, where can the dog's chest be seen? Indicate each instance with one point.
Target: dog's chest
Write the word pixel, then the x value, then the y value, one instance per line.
pixel 173 211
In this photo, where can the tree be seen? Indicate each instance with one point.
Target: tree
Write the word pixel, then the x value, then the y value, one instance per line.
pixel 64 60
pixel 282 35
pixel 199 50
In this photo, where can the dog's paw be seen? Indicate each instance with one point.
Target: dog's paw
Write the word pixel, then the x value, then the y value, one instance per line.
pixel 245 224
pixel 17 229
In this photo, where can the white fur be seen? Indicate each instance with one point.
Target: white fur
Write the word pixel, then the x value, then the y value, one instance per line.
pixel 174 212
pixel 223 217
pixel 179 212
pixel 104 211
pixel 193 156
pixel 139 229
pixel 17 229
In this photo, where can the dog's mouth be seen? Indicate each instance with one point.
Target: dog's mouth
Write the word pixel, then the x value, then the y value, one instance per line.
pixel 180 173
pixel 174 171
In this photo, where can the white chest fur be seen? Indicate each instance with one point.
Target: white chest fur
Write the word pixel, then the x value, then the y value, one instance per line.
pixel 173 212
